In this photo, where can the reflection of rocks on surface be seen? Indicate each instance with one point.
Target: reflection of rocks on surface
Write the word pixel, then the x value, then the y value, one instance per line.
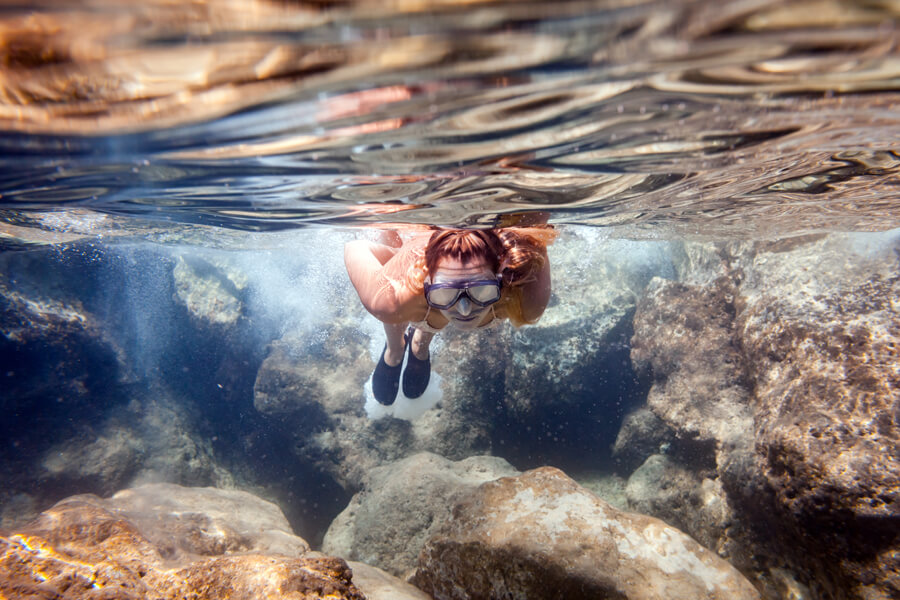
pixel 387 523
pixel 780 362
pixel 540 535
pixel 165 541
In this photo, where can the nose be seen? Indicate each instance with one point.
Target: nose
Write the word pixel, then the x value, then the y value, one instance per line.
pixel 464 307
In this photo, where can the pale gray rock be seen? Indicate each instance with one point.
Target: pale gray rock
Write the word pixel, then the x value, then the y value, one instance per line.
pixel 686 498
pixel 541 535
pixel 608 486
pixel 205 520
pixel 402 504
pixel 210 288
pixel 380 585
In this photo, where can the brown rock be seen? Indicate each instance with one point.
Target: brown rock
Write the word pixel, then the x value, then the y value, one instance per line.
pixel 821 339
pixel 153 544
pixel 541 535
pixel 402 504
pixel 782 358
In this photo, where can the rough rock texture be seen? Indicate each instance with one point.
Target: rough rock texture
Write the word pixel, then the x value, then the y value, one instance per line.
pixel 402 504
pixel 379 585
pixel 541 535
pixel 683 336
pixel 144 441
pixel 776 364
pixel 642 435
pixel 687 498
pixel 210 289
pixel 822 341
pixel 166 542
pixel 53 349
pixel 311 386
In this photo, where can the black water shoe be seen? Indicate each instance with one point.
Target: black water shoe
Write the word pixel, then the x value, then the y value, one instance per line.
pixel 417 373
pixel 386 381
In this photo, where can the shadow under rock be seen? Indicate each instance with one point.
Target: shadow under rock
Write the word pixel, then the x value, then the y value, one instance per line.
pixel 577 435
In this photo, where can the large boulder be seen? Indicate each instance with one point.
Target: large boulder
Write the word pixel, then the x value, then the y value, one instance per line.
pixel 541 535
pixel 310 385
pixel 820 332
pixel 168 541
pixel 210 288
pixel 774 365
pixel 402 504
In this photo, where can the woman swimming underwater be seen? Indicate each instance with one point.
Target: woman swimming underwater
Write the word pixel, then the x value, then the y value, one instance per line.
pixel 468 278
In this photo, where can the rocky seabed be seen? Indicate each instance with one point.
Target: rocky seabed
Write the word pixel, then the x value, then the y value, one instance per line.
pixel 722 420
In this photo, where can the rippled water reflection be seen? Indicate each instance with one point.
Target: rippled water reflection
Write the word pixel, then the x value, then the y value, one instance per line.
pixel 662 119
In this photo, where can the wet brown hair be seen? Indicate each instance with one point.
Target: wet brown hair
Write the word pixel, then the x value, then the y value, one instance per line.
pixel 514 252
pixel 463 245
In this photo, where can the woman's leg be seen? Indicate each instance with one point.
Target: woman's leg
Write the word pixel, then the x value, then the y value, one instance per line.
pixel 393 355
pixel 421 343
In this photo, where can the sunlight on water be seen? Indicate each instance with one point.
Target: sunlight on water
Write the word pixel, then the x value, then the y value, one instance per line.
pixel 660 119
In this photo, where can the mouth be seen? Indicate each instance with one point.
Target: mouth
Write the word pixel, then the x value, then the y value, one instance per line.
pixel 460 318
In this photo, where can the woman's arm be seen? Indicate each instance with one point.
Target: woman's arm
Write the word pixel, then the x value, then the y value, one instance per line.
pixel 536 293
pixel 379 272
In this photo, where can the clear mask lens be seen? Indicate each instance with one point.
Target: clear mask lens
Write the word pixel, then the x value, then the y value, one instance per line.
pixel 443 296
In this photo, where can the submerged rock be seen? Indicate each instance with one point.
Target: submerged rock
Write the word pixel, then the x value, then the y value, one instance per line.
pixel 642 435
pixel 311 385
pixel 402 504
pixel 168 541
pixel 685 497
pixel 211 289
pixel 53 348
pixel 821 336
pixel 775 364
pixel 541 535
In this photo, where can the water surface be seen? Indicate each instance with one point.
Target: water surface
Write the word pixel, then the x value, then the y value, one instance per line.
pixel 659 119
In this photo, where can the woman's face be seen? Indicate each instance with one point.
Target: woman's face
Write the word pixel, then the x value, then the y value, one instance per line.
pixel 464 314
